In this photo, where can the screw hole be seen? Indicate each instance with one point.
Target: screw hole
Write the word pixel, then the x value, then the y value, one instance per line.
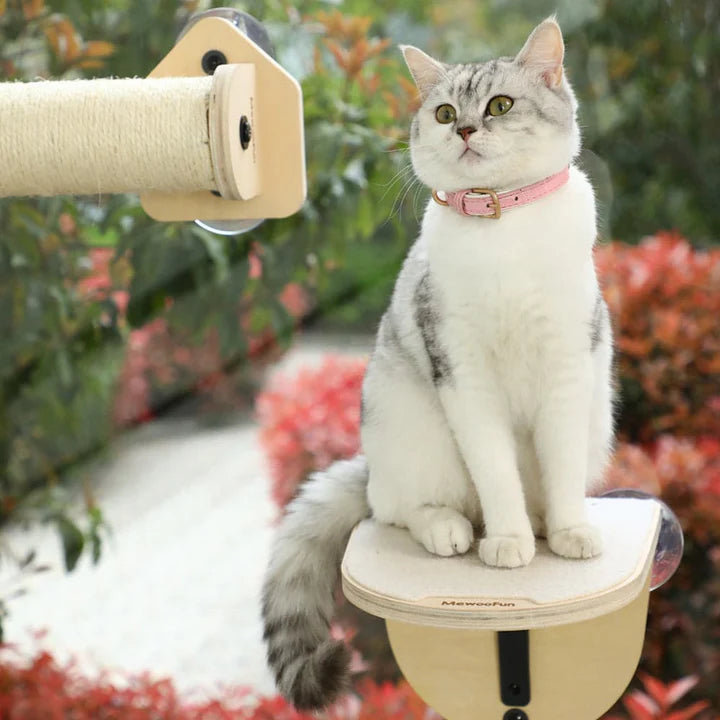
pixel 245 132
pixel 211 60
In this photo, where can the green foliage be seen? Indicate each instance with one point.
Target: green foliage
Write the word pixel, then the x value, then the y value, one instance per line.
pixel 64 315
pixel 59 356
pixel 645 76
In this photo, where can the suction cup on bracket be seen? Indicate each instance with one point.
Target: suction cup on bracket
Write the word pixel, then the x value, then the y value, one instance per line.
pixel 228 227
pixel 255 31
pixel 247 24
pixel 670 544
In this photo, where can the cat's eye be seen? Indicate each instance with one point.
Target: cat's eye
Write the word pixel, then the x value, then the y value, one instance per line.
pixel 499 105
pixel 445 114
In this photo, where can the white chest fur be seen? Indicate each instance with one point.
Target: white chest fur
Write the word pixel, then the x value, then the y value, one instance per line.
pixel 518 291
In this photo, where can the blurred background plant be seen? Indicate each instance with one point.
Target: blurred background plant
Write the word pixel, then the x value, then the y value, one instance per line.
pixel 109 319
pixel 113 318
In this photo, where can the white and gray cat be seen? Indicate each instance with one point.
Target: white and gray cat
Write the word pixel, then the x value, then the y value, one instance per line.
pixel 487 402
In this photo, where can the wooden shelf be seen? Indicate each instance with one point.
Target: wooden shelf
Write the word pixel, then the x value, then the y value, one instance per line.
pixel 386 573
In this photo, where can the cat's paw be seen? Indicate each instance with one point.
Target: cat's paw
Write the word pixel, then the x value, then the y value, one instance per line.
pixel 580 541
pixel 507 550
pixel 447 534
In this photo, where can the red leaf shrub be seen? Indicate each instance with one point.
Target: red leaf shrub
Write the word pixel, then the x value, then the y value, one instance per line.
pixel 309 420
pixel 161 364
pixel 374 701
pixel 42 689
pixel 665 301
pixel 45 690
pixel 658 702
pixel 98 284
pixel 685 473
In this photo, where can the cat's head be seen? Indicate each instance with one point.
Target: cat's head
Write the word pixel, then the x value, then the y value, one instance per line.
pixel 500 124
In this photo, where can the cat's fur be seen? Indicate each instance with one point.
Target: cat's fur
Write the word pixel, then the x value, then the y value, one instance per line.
pixel 487 401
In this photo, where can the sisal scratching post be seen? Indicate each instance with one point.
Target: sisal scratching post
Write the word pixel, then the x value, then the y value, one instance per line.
pixel 201 139
pixel 109 136
pixel 557 640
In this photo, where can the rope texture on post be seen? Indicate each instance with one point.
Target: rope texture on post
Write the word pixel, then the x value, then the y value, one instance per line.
pixel 105 136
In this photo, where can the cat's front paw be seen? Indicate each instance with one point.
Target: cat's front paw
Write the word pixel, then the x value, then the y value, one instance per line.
pixel 448 533
pixel 507 551
pixel 580 541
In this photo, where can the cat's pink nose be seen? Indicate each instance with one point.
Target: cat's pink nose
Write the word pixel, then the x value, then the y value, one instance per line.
pixel 466 131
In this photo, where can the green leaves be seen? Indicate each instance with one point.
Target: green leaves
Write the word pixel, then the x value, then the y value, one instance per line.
pixel 72 539
pixel 75 541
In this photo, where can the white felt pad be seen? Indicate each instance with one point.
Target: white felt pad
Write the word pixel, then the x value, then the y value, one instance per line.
pixel 388 574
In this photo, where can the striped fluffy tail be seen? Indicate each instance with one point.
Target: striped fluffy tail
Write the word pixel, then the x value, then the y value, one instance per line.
pixel 298 594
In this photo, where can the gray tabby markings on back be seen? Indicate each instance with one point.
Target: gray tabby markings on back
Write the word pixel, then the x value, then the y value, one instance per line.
pixel 390 336
pixel 427 317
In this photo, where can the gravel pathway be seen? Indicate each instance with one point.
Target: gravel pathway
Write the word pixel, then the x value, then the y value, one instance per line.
pixel 177 590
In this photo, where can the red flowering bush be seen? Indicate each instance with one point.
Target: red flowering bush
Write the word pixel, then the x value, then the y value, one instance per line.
pixel 160 363
pixel 310 420
pixel 159 366
pixel 98 284
pixel 685 473
pixel 664 298
pixel 42 689
pixel 659 699
pixel 45 690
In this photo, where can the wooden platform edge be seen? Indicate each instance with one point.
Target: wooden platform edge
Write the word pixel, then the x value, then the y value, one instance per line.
pixel 502 613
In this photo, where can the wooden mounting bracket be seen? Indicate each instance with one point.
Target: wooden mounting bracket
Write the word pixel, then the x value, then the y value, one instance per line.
pixel 266 179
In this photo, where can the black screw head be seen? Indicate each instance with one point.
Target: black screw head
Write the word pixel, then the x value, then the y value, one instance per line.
pixel 211 59
pixel 245 132
pixel 515 714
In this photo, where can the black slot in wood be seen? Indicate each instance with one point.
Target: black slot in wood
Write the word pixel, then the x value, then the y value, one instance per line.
pixel 514 661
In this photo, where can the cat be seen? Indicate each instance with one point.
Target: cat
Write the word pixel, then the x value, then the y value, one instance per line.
pixel 487 401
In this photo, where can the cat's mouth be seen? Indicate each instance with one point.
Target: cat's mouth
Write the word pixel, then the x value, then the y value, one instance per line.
pixel 469 152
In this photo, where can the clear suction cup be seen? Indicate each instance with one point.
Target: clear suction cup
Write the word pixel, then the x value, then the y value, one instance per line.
pixel 228 227
pixel 670 544
pixel 247 24
pixel 255 31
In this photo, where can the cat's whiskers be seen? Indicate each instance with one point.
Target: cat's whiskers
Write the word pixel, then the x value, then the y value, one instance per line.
pixel 400 175
pixel 404 191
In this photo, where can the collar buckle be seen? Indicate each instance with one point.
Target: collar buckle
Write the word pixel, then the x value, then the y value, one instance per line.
pixel 494 202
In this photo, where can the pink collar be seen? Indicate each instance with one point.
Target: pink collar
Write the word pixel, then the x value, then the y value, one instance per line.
pixel 483 202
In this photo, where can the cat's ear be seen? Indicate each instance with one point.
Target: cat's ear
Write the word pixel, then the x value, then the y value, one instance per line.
pixel 544 51
pixel 425 71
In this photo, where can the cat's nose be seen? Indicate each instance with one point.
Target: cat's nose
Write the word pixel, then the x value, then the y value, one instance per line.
pixel 466 131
